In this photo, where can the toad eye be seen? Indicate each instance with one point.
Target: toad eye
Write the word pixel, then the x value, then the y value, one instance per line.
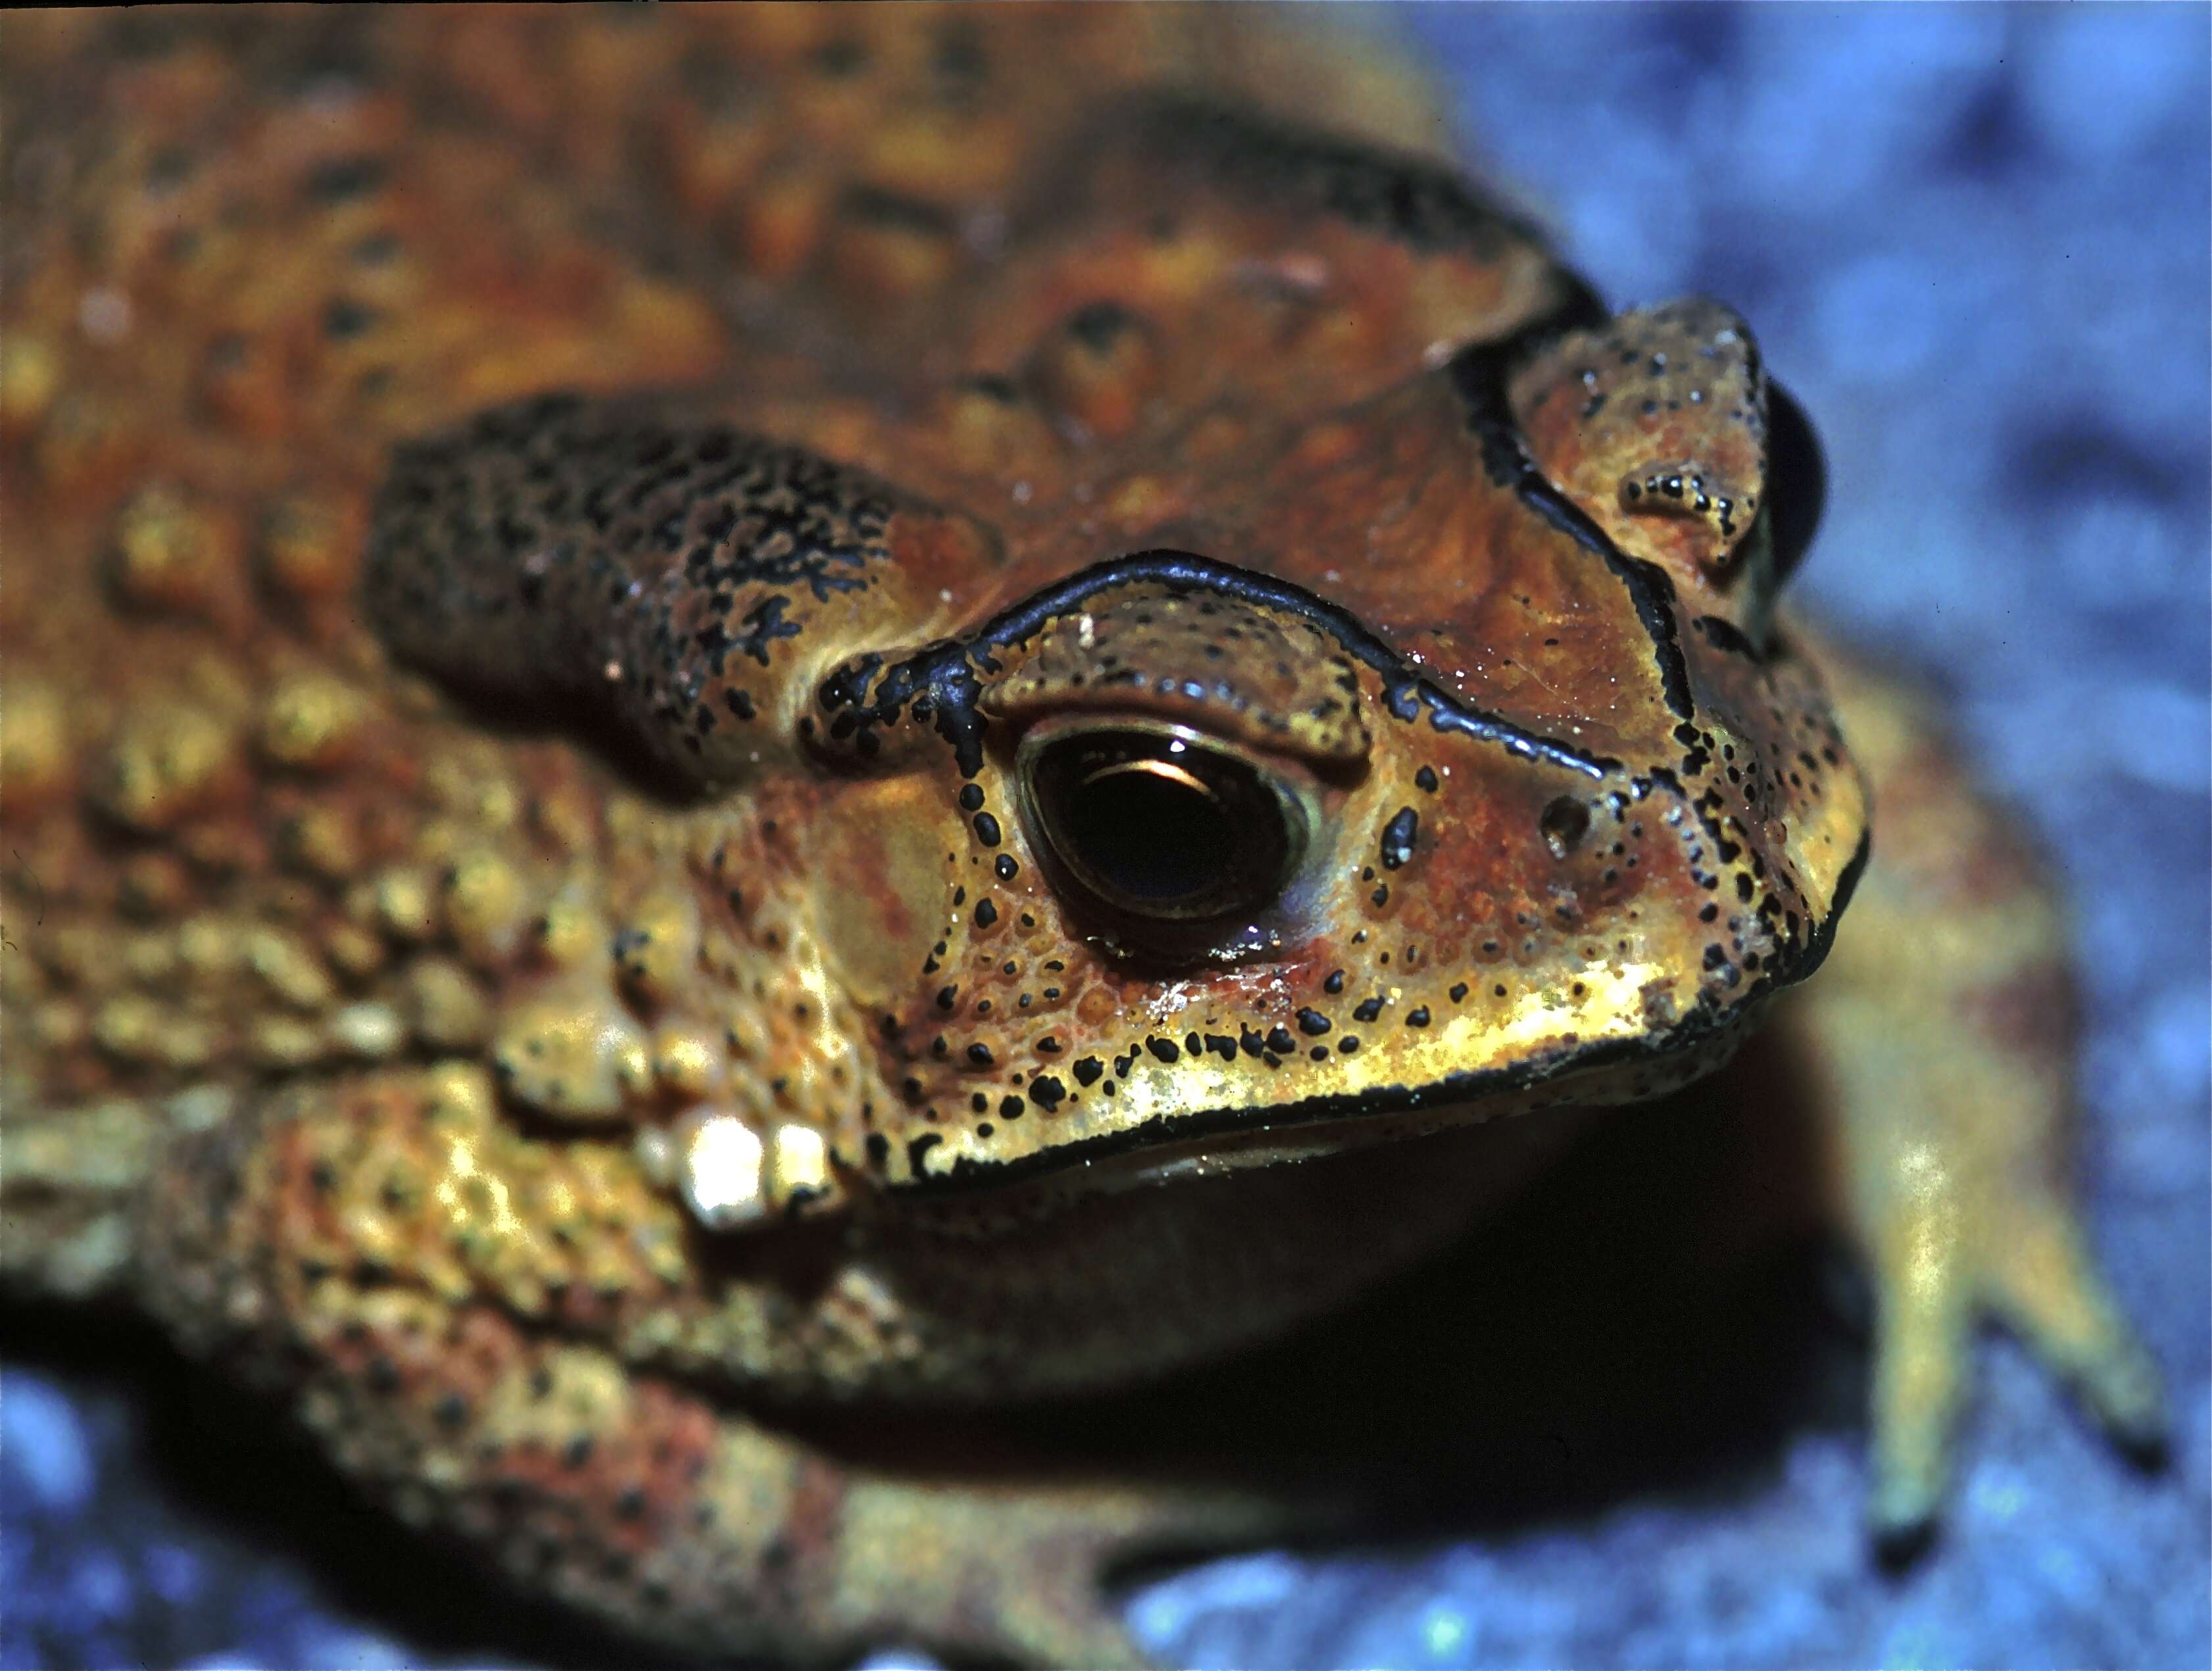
pixel 1159 825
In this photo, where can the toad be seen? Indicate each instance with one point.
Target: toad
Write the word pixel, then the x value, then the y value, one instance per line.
pixel 778 711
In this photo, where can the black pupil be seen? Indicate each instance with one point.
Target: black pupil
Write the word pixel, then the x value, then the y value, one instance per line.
pixel 1152 836
pixel 1161 827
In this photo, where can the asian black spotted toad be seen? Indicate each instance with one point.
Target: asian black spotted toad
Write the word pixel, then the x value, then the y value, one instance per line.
pixel 783 710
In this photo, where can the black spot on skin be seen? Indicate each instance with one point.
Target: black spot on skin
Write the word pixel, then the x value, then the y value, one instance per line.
pixel 1011 1107
pixel 971 798
pixel 1165 1048
pixel 1425 780
pixel 343 320
pixel 987 829
pixel 1001 390
pixel 1047 1091
pixel 1006 866
pixel 1458 992
pixel 342 180
pixel 959 57
pixel 1417 1017
pixel 376 249
pixel 918 1147
pixel 978 1055
pixel 168 168
pixel 895 211
pixel 1368 1009
pixel 986 914
pixel 1099 324
pixel 839 58
pixel 1312 1022
pixel 1335 984
pixel 1398 838
pixel 1280 1042
pixel 1087 1070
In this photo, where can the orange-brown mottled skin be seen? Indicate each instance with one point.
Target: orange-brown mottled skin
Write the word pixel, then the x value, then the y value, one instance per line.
pixel 547 548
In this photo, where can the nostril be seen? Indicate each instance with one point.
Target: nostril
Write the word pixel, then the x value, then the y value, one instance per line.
pixel 1565 822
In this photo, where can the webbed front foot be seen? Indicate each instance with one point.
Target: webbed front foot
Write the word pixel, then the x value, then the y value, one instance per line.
pixel 1942 1028
pixel 1943 1261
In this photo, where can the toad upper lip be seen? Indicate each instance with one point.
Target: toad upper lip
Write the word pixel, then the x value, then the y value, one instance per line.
pixel 1470 1087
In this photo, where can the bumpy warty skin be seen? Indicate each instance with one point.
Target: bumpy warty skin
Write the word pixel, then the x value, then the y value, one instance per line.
pixel 546 567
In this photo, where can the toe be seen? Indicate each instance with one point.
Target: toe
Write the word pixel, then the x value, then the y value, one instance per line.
pixel 1922 1341
pixel 2047 1289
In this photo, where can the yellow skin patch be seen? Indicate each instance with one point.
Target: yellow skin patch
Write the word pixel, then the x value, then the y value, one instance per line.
pixel 918 726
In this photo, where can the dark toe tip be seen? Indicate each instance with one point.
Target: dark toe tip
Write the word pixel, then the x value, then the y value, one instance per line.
pixel 2148 1447
pixel 1900 1545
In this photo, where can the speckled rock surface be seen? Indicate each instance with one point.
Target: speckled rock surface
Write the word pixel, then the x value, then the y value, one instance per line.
pixel 1974 242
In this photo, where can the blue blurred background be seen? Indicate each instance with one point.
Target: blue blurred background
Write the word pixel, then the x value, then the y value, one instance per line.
pixel 1974 240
